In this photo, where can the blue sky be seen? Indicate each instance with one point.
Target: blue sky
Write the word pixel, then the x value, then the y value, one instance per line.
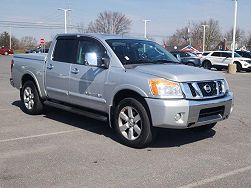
pixel 166 15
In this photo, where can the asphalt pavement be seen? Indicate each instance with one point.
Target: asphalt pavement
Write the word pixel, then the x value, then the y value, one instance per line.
pixel 61 149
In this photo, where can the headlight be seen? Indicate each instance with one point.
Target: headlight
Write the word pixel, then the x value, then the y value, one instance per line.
pixel 225 86
pixel 165 88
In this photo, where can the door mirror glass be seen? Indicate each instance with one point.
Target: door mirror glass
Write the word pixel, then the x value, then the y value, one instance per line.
pixel 91 59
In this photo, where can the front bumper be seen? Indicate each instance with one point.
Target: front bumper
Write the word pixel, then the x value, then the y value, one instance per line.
pixel 12 82
pixel 192 112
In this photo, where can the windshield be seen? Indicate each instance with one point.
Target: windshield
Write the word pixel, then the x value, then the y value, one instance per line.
pixel 236 55
pixel 132 51
pixel 191 54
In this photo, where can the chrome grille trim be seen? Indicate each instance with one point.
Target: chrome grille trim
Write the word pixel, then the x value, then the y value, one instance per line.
pixel 199 95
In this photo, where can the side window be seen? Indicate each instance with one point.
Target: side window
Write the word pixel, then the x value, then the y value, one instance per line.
pixel 65 50
pixel 225 54
pixel 90 48
pixel 182 54
pixel 217 54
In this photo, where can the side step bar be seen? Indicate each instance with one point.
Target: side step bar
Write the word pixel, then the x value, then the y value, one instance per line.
pixel 77 111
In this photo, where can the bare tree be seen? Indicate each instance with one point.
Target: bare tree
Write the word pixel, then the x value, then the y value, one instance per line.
pixel 239 36
pixel 111 23
pixel 81 27
pixel 195 34
pixel 179 38
pixel 248 41
pixel 28 42
pixel 5 40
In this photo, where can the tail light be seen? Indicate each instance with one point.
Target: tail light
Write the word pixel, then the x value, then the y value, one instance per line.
pixel 11 65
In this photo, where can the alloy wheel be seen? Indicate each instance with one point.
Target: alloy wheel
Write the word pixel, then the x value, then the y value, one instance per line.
pixel 28 98
pixel 130 123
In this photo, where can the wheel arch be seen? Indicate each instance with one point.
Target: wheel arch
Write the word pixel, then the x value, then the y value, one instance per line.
pixel 30 77
pixel 128 93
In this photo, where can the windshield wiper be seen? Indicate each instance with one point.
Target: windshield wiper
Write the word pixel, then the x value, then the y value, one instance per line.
pixel 142 61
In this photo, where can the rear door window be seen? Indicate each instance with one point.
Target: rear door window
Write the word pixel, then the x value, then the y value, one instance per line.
pixel 225 54
pixel 65 50
pixel 216 54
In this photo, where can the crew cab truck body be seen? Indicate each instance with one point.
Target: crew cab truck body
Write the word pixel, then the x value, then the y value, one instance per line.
pixel 134 84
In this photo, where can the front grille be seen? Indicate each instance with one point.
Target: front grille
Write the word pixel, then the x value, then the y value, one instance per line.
pixel 193 91
pixel 212 111
pixel 208 88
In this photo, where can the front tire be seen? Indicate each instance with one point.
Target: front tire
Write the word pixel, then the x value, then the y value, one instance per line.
pixel 132 123
pixel 31 101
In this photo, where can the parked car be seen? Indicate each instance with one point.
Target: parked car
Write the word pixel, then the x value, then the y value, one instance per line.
pixel 37 50
pixel 243 53
pixel 6 51
pixel 221 59
pixel 135 85
pixel 205 53
pixel 187 58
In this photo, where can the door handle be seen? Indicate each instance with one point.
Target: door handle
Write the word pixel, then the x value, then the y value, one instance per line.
pixel 50 66
pixel 75 71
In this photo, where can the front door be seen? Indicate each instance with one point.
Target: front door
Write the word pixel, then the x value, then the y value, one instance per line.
pixel 87 80
pixel 58 68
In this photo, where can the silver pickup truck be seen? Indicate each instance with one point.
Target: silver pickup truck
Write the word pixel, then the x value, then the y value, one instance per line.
pixel 135 85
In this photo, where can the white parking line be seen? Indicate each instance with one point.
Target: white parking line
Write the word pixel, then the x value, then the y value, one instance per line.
pixel 39 135
pixel 215 178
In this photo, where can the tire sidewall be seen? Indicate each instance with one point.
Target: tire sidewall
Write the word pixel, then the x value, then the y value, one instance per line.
pixel 146 135
pixel 207 65
pixel 238 67
pixel 37 107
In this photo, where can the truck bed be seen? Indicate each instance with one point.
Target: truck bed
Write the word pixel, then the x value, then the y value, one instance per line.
pixel 30 64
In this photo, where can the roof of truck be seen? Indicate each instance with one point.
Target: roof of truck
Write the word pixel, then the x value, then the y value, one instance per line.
pixel 101 36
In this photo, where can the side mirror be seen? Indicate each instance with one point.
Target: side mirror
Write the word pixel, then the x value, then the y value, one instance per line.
pixel 178 57
pixel 91 59
pixel 105 61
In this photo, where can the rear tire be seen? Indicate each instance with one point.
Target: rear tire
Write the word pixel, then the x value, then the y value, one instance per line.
pixel 190 64
pixel 207 65
pixel 30 98
pixel 219 69
pixel 238 66
pixel 132 124
pixel 203 128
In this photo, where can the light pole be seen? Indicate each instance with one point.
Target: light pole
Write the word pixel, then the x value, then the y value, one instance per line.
pixel 232 66
pixel 10 37
pixel 145 21
pixel 65 17
pixel 204 36
pixel 234 28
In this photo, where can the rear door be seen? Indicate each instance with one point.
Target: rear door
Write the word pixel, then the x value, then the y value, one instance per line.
pixel 87 80
pixel 58 68
pixel 216 58
pixel 226 58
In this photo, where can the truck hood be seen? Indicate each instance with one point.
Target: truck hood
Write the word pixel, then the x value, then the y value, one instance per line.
pixel 179 73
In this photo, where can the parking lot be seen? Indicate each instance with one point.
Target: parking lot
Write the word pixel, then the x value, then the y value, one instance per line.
pixel 60 149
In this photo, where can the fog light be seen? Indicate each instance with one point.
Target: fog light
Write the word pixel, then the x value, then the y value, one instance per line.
pixel 177 117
